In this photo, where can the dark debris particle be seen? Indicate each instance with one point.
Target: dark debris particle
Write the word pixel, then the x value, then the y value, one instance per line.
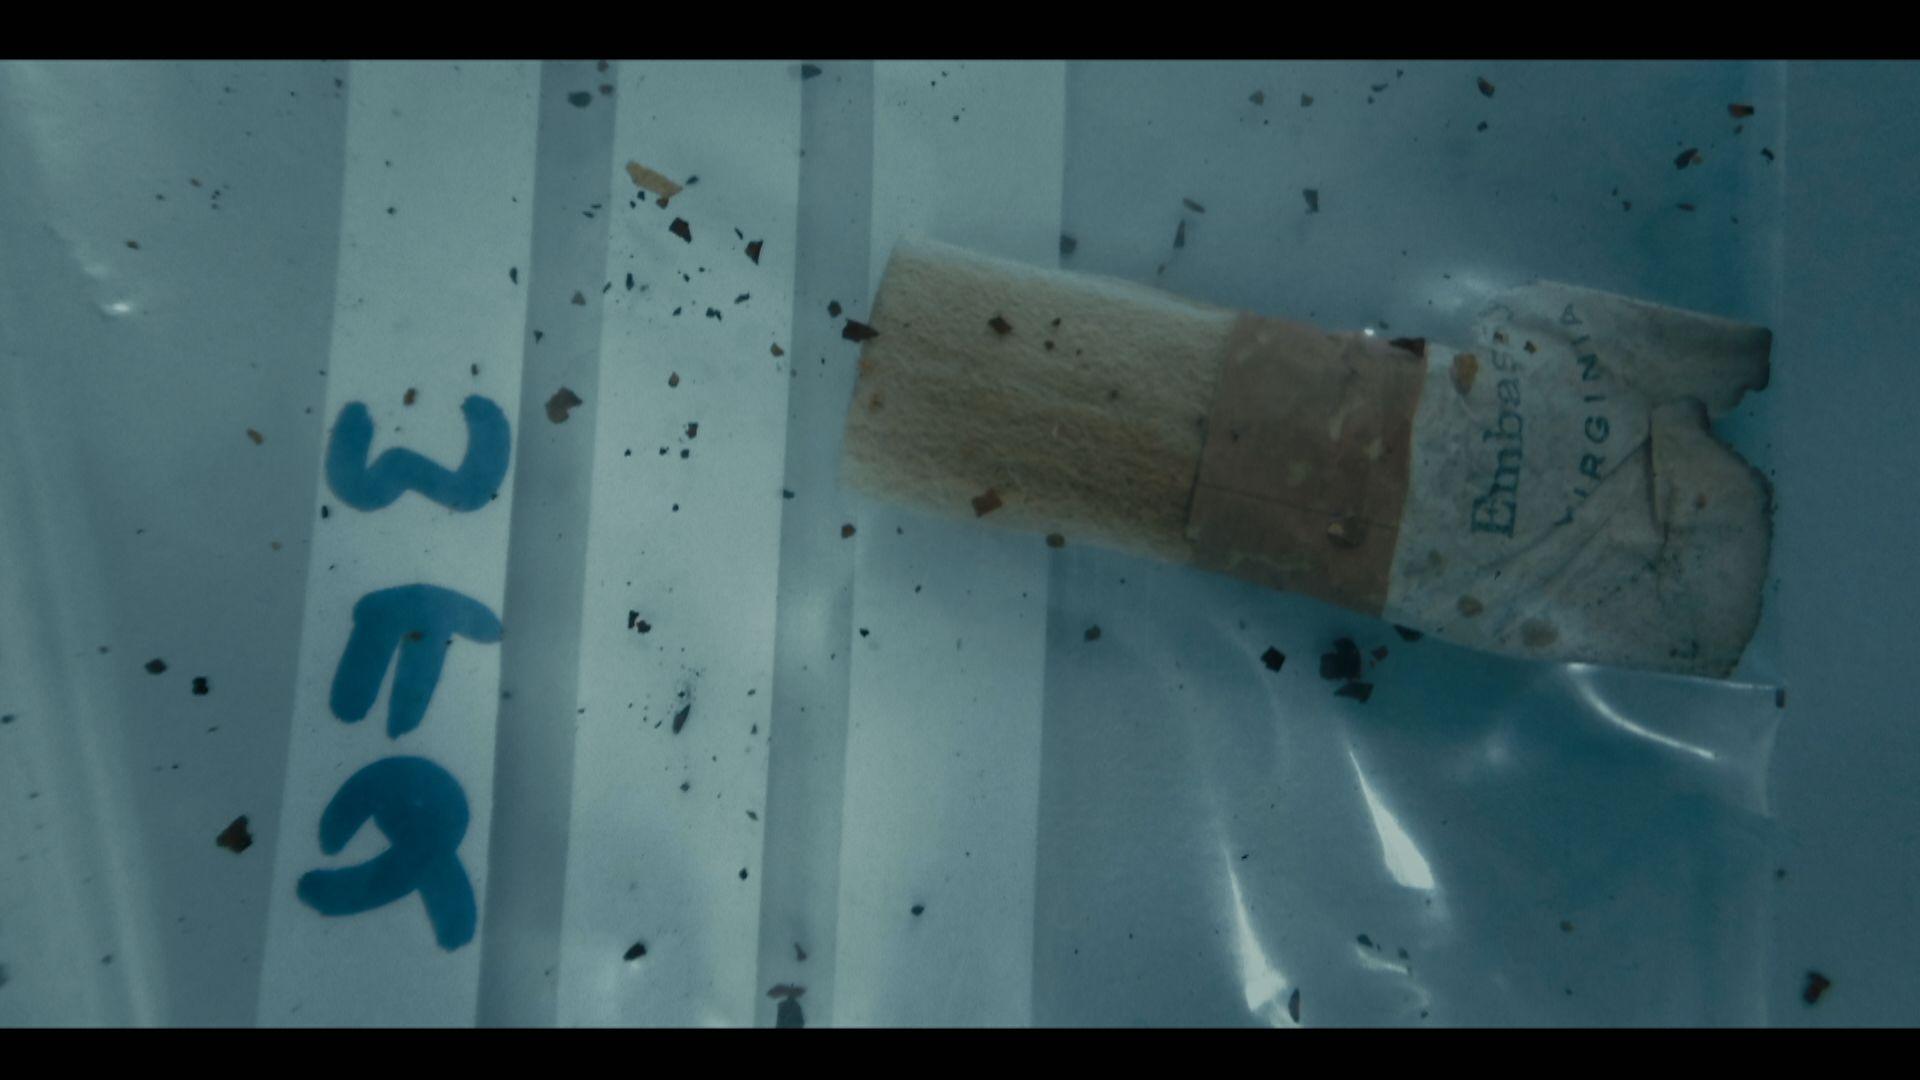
pixel 693 429
pixel 1293 1006
pixel 635 951
pixel 1342 663
pixel 156 665
pixel 743 873
pixel 1407 633
pixel 1055 540
pixel 580 99
pixel 681 229
pixel 7 719
pixel 1486 87
pixel 1193 206
pixel 579 299
pixel 1357 690
pixel 561 403
pixel 673 378
pixel 410 396
pixel 1687 157
pixel 537 335
pixel 629 282
pixel 1686 206
pixel 1377 87
pixel 919 909
pixel 808 71
pixel 863 631
pixel 1002 327
pixel 1566 926
pixel 1379 653
pixel 743 298
pixel 776 350
pixel 846 531
pixel 986 503
pixel 753 250
pixel 1258 97
pixel 1817 984
pixel 683 455
pixel 256 437
pixel 1092 634
pixel 1068 244
pixel 786 493
pixel 1306 101
pixel 1780 698
pixel 1366 942
pixel 200 687
pixel 1273 658
pixel 858 331
pixel 834 308
pixel 1180 235
pixel 642 626
pixel 1312 195
pixel 1414 345
pixel 714 313
pixel 513 274
pixel 1739 112
pixel 606 89
pixel 789 1015
pixel 235 837
pixel 1766 153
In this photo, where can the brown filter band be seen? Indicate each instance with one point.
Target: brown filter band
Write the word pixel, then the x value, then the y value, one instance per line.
pixel 1304 471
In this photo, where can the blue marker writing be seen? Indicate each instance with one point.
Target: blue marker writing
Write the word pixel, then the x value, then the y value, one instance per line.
pixel 423 812
pixel 415 621
pixel 398 470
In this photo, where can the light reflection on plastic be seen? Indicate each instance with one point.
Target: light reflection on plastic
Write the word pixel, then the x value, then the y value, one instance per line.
pixel 1582 677
pixel 1402 856
pixel 119 307
pixel 1264 985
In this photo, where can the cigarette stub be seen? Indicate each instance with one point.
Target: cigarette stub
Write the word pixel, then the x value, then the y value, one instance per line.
pixel 1549 489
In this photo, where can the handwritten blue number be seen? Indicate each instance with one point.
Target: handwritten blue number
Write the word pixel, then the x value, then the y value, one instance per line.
pixel 423 812
pixel 394 472
pixel 414 621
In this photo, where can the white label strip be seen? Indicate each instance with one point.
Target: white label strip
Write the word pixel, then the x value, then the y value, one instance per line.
pixel 382 837
pixel 662 905
pixel 945 698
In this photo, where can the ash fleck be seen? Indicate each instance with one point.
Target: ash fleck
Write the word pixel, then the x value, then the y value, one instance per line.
pixel 156 665
pixel 1357 690
pixel 235 837
pixel 1273 658
pixel 1817 984
pixel 681 229
pixel 200 687
pixel 635 951
pixel 1342 663
pixel 561 404
pixel 858 331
